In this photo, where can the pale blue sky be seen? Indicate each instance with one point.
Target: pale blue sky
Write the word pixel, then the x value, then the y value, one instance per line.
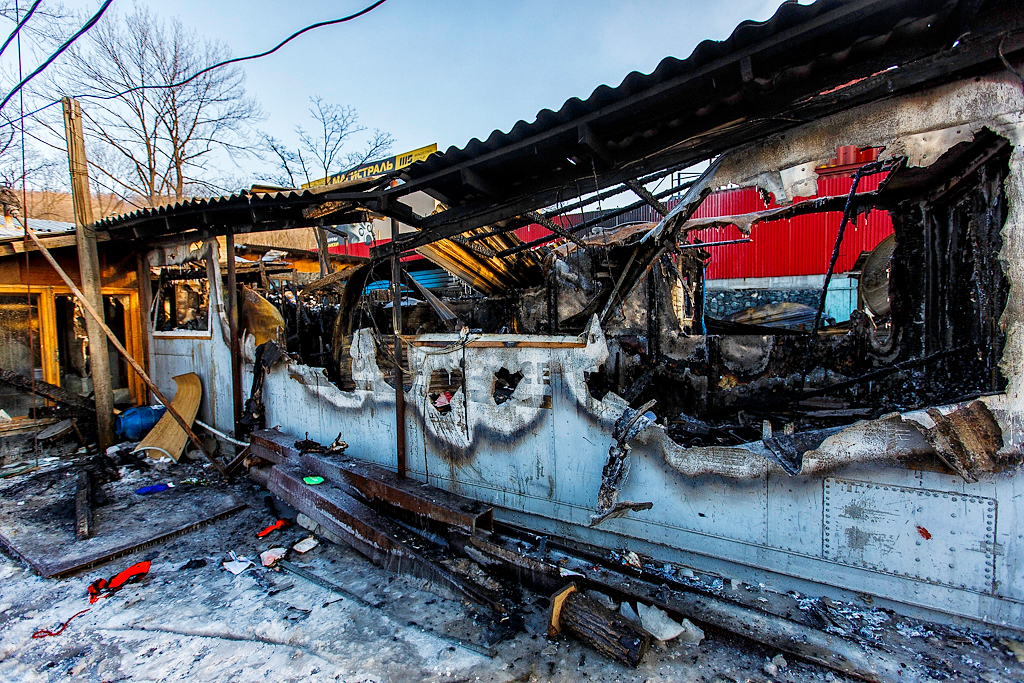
pixel 447 71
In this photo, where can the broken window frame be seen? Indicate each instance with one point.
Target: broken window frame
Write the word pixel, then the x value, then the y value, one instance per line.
pixel 159 300
pixel 47 312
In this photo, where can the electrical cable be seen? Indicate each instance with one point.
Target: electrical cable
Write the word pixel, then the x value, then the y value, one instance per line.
pixel 24 20
pixel 199 73
pixel 49 60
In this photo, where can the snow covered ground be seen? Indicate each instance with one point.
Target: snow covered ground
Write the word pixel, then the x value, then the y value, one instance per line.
pixel 191 620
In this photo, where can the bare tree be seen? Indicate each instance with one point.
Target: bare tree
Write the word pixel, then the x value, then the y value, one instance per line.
pixel 48 25
pixel 154 144
pixel 322 146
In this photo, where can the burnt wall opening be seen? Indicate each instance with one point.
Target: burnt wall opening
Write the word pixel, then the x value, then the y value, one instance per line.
pixel 948 288
pixel 937 342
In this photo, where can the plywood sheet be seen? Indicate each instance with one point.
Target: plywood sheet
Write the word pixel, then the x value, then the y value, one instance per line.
pixel 167 437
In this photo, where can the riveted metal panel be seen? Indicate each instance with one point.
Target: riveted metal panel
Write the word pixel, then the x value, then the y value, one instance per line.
pixel 941 537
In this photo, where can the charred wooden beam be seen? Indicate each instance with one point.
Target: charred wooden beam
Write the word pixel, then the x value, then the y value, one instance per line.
pixel 543 569
pixel 590 141
pixel 47 391
pixel 609 633
pixel 645 194
pixel 83 506
pixel 385 542
pixel 554 227
pixel 472 179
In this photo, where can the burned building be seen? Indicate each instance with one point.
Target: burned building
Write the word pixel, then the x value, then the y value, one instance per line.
pixel 578 384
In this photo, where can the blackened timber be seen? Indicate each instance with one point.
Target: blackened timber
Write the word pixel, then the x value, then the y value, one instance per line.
pixel 48 391
pixel 590 141
pixel 377 484
pixel 543 568
pixel 645 194
pixel 554 227
pixel 472 179
pixel 608 632
pixel 605 216
pixel 83 506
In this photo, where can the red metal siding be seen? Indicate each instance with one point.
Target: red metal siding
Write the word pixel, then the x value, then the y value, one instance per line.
pixel 363 249
pixel 797 246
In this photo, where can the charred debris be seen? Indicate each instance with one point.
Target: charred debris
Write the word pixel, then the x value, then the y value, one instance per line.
pixel 928 331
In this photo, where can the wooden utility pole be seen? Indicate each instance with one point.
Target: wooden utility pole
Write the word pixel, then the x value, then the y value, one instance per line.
pixel 323 255
pixel 89 270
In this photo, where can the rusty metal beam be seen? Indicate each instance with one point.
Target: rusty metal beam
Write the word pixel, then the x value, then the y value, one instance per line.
pixel 274 446
pixel 383 541
pixel 378 484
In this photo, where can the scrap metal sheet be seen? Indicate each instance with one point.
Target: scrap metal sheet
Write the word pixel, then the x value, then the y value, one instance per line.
pixel 931 536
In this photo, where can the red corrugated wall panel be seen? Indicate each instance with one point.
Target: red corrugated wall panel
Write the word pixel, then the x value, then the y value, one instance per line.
pixel 797 246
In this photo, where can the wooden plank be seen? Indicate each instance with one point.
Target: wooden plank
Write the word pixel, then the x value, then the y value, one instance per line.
pixel 167 436
pixel 17 245
pixel 39 532
pixel 83 506
pixel 385 542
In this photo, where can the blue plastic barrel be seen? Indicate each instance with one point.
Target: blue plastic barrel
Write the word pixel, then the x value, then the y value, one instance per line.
pixel 134 423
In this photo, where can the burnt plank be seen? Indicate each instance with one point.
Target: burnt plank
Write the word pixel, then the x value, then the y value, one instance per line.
pixel 83 506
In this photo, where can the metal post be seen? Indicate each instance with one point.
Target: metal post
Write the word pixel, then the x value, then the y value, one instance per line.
pixel 89 270
pixel 396 319
pixel 231 302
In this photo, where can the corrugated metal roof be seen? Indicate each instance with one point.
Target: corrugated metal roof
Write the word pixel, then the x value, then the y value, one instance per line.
pixel 806 62
pixel 746 34
pixel 245 197
pixel 39 225
pixel 257 209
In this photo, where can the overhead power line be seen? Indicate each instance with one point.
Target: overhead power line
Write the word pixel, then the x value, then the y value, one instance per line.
pixel 49 60
pixel 194 76
pixel 24 20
